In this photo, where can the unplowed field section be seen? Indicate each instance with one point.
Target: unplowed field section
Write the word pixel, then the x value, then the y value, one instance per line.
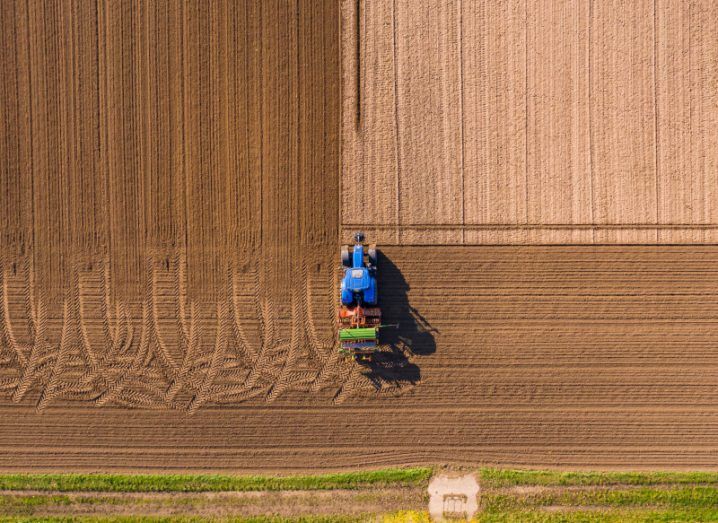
pixel 531 122
pixel 575 357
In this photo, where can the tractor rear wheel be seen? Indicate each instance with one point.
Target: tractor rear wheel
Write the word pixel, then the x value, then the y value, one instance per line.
pixel 372 254
pixel 346 262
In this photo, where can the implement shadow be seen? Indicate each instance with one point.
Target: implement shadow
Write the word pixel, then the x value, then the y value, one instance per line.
pixel 413 336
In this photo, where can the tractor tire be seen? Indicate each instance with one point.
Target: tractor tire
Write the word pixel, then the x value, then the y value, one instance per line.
pixel 346 260
pixel 372 255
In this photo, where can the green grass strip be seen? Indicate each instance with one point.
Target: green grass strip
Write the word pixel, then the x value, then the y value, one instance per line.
pixel 212 483
pixel 603 516
pixel 608 516
pixel 585 516
pixel 687 497
pixel 510 478
pixel 188 519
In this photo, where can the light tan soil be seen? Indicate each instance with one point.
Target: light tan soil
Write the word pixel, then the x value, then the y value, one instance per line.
pixel 531 122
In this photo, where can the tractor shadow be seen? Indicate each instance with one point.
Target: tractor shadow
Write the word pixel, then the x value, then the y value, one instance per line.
pixel 395 364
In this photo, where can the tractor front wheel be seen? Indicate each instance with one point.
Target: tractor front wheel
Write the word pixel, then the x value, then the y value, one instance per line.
pixel 346 261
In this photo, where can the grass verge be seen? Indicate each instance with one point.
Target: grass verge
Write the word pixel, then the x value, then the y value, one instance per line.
pixel 579 516
pixel 180 519
pixel 212 483
pixel 609 516
pixel 496 478
pixel 604 516
pixel 590 497
pixel 563 496
pixel 678 498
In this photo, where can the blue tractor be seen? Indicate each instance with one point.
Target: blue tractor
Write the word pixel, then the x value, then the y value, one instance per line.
pixel 359 312
pixel 359 285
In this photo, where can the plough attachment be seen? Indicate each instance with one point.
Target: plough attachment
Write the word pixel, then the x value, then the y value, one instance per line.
pixel 359 337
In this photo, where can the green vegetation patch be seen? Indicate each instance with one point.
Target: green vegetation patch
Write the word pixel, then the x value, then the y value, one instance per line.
pixel 597 496
pixel 573 516
pixel 175 519
pixel 617 516
pixel 212 483
pixel 688 497
pixel 494 478
pixel 603 516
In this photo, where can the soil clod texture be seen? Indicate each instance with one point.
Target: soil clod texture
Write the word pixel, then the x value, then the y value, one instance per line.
pixel 176 179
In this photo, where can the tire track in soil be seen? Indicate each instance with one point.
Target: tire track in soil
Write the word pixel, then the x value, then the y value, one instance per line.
pixel 38 352
pixel 49 390
pixel 6 331
pixel 171 197
pixel 217 358
pixel 238 330
pixel 135 346
pixel 569 357
pixel 187 342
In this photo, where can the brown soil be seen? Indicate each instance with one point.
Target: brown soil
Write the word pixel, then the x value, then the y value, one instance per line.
pixel 169 183
pixel 169 179
pixel 585 357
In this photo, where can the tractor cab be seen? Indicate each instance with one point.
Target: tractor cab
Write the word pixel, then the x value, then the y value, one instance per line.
pixel 359 286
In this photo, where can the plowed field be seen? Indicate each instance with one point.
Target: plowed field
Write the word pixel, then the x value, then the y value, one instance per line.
pixel 173 201
pixel 563 356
